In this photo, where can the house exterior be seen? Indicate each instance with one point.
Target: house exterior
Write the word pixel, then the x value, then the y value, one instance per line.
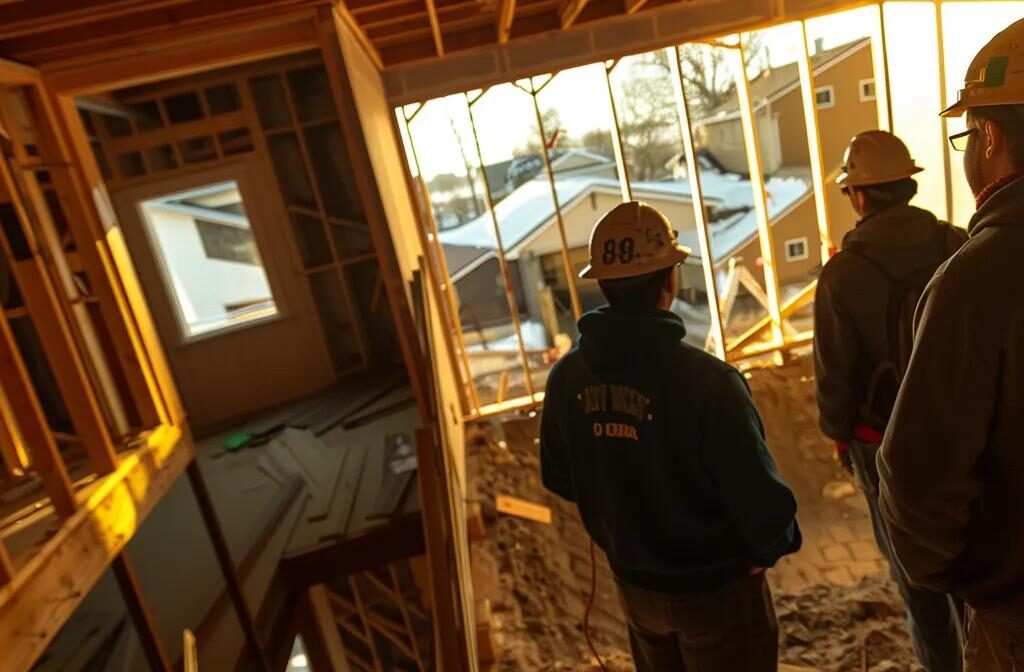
pixel 845 95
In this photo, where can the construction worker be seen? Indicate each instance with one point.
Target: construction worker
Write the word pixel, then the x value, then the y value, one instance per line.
pixel 952 464
pixel 660 446
pixel 863 321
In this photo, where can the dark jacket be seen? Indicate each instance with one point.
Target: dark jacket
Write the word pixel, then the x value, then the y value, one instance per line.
pixel 851 307
pixel 661 447
pixel 952 463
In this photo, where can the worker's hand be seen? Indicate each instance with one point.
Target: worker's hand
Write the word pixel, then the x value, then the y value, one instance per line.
pixel 754 571
pixel 844 457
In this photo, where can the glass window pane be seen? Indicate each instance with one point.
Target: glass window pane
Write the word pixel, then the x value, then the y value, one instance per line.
pixel 209 257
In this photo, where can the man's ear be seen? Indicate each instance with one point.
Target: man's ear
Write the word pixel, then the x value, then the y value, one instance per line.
pixel 994 139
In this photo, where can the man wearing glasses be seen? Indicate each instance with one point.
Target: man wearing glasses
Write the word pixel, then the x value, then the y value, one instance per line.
pixel 863 336
pixel 952 463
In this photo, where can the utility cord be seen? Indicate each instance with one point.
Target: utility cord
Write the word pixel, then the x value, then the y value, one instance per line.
pixel 590 607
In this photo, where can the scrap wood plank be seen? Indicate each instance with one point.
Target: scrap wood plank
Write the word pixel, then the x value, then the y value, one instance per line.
pixel 316 458
pixel 311 533
pixel 334 418
pixel 521 508
pixel 398 468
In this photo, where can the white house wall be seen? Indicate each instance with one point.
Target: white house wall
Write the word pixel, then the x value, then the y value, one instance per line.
pixel 204 286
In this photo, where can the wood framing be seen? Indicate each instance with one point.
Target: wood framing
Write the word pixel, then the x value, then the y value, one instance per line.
pixel 323 642
pixel 145 627
pixel 814 144
pixel 12 73
pixel 47 590
pixel 203 50
pixel 764 229
pixel 570 11
pixel 716 331
pixel 506 15
pixel 329 29
pixel 435 27
pixel 343 13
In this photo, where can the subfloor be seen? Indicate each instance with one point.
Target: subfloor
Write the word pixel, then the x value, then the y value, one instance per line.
pixel 837 608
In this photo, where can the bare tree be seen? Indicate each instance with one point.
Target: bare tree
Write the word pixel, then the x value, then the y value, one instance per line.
pixel 707 75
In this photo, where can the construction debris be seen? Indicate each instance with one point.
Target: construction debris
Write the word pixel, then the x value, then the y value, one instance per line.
pixel 522 509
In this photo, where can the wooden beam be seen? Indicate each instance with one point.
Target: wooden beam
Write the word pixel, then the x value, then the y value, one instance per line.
pixel 435 27
pixel 342 12
pixel 634 6
pixel 322 639
pixel 30 17
pixel 50 587
pixel 569 11
pixel 142 619
pixel 506 15
pixel 12 73
pixel 183 58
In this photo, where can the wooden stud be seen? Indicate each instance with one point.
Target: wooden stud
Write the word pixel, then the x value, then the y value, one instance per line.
pixel 6 566
pixel 634 6
pixel 145 626
pixel 345 16
pixel 361 609
pixel 618 147
pixel 111 270
pixel 435 27
pixel 328 30
pixel 569 11
pixel 55 334
pixel 12 73
pixel 189 652
pixel 13 455
pixel 78 316
pixel 880 64
pixel 707 257
pixel 50 587
pixel 506 16
pixel 947 167
pixel 764 228
pixel 814 144
pixel 506 274
pixel 350 304
pixel 322 640
pixel 404 609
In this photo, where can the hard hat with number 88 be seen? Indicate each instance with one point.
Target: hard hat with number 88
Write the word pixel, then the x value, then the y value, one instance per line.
pixel 632 239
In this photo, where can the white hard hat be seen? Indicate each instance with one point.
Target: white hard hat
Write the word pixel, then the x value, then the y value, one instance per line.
pixel 996 75
pixel 876 157
pixel 632 239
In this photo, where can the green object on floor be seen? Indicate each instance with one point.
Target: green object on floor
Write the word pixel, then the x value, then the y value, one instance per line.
pixel 237 440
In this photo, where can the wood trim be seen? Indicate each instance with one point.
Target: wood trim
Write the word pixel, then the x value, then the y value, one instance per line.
pixel 211 50
pixel 50 587
pixel 13 73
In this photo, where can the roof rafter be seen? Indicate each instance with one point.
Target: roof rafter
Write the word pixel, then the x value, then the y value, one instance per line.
pixel 506 15
pixel 569 11
pixel 435 27
pixel 634 6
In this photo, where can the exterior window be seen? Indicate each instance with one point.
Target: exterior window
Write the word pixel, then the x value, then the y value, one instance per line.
pixel 825 97
pixel 209 258
pixel 867 90
pixel 796 249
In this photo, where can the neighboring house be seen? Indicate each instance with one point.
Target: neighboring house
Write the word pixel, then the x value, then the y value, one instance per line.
pixel 532 239
pixel 845 96
pixel 209 257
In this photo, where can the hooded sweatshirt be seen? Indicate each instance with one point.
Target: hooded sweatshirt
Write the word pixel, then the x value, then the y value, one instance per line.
pixel 851 307
pixel 661 447
pixel 952 462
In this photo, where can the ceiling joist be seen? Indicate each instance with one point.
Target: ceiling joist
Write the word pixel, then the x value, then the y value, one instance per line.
pixel 345 16
pixel 23 18
pixel 506 15
pixel 435 27
pixel 569 11
pixel 634 6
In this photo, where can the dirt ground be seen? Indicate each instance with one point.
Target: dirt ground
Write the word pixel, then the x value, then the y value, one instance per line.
pixel 836 606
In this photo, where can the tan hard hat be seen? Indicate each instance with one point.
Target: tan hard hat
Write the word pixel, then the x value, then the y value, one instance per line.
pixel 996 75
pixel 632 239
pixel 876 157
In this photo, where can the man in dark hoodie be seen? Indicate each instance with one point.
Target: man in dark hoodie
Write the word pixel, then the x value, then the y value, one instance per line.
pixel 660 446
pixel 952 463
pixel 863 323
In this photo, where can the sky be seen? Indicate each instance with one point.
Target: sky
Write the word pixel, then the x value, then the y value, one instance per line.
pixel 505 115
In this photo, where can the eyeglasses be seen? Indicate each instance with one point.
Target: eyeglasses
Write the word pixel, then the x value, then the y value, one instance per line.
pixel 959 141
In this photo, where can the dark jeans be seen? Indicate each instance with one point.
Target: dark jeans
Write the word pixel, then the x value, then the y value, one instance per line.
pixel 732 629
pixel 994 643
pixel 934 619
